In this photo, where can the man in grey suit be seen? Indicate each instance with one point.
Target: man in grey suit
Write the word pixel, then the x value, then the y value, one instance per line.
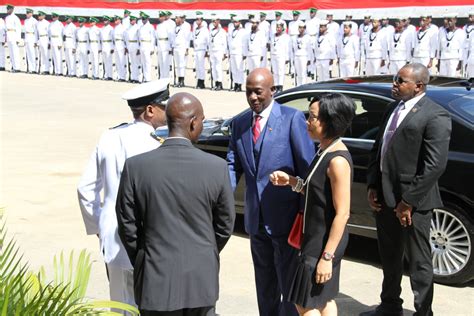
pixel 175 210
pixel 409 155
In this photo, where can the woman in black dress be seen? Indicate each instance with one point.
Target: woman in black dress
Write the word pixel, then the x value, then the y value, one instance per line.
pixel 328 191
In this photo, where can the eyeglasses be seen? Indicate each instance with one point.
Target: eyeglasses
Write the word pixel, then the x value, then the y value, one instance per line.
pixel 312 117
pixel 400 80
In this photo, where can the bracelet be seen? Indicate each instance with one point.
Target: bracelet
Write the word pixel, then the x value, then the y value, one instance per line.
pixel 299 185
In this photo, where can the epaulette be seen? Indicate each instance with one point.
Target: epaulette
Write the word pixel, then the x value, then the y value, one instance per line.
pixel 121 124
pixel 158 138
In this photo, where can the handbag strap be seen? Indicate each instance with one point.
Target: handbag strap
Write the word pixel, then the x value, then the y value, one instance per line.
pixel 308 178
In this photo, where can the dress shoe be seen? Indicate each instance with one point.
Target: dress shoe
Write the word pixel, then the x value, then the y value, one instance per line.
pixel 239 88
pixel 84 77
pixel 379 311
pixel 2 68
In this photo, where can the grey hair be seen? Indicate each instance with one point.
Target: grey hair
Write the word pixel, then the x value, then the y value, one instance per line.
pixel 419 72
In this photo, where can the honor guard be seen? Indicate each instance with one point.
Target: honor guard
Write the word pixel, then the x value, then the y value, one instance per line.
pixel 348 20
pixel 99 184
pixel 94 46
pixel 42 29
pixel 312 29
pixel 30 41
pixel 163 35
pixel 56 29
pixel 230 26
pixel 364 30
pixel 200 15
pixel 280 51
pixel 469 27
pixel 237 53
pixel 264 26
pixel 387 27
pixel 452 43
pixel 332 27
pixel 375 49
pixel 400 46
pixel 82 48
pixel 69 37
pixel 469 50
pixel 106 40
pixel 180 42
pixel 248 24
pixel 13 33
pixel 273 25
pixel 217 52
pixel 425 44
pixel 293 32
pixel 2 44
pixel 118 35
pixel 133 49
pixel 147 39
pixel 348 51
pixel 201 46
pixel 324 52
pixel 126 19
pixel 302 53
pixel 256 42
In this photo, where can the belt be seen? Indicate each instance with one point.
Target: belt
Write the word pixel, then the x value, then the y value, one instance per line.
pixel 118 40
pixel 93 41
pixel 11 30
pixel 54 36
pixel 133 41
pixel 43 35
pixel 82 41
pixel 68 36
pixel 145 41
pixel 107 41
pixel 163 39
pixel 30 32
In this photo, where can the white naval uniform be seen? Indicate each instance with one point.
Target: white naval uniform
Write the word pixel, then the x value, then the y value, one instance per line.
pixel 293 28
pixel 106 39
pixel 42 28
pixel 56 39
pixel 2 43
pixel 133 47
pixel 280 52
pixel 237 50
pixel 348 53
pixel 324 52
pixel 424 46
pixel 201 46
pixel 82 50
pixel 364 31
pixel 375 47
pixel 203 23
pixel 452 45
pixel 31 37
pixel 126 22
pixel 312 29
pixel 256 49
pixel 13 30
pixel 469 57
pixel 354 28
pixel 94 47
pixel 163 47
pixel 302 54
pixel 400 47
pixel 333 29
pixel 180 42
pixel 389 30
pixel 217 50
pixel 273 29
pixel 102 174
pixel 147 39
pixel 69 34
pixel 264 26
pixel 119 51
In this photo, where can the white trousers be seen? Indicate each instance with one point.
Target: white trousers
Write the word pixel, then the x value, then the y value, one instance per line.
pixel 372 66
pixel 43 57
pixel 121 285
pixel 94 58
pixel 301 69
pixel 57 56
pixel 145 59
pixel 264 61
pixel 2 55
pixel 216 65
pixel 134 64
pixel 395 66
pixel 179 55
pixel 164 62
pixel 322 69
pixel 199 63
pixel 120 63
pixel 107 58
pixel 14 55
pixel 237 68
pixel 447 67
pixel 469 70
pixel 30 51
pixel 254 62
pixel 278 68
pixel 70 61
pixel 83 59
pixel 346 67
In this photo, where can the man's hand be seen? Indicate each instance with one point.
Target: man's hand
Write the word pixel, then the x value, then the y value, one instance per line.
pixel 279 178
pixel 382 63
pixel 356 64
pixel 430 64
pixel 323 271
pixel 403 212
pixel 373 200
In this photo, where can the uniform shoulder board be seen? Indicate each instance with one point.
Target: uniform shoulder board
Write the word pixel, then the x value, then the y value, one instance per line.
pixel 121 124
pixel 161 140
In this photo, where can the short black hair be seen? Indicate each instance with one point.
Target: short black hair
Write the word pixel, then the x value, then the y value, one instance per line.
pixel 336 111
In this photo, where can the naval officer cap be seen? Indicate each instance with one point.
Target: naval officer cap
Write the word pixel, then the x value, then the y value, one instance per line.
pixel 313 10
pixel 301 24
pixel 254 20
pixel 324 22
pixel 28 10
pixel 10 7
pixel 278 13
pixel 153 92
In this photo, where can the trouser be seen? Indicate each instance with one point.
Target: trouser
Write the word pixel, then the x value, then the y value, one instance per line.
pixel 274 265
pixel 2 55
pixel 447 67
pixel 278 68
pixel 107 58
pixel 396 241
pixel 199 311
pixel 145 58
pixel 94 58
pixel 164 62
pixel 322 69
pixel 237 68
pixel 83 58
pixel 44 57
pixel 120 63
pixel 121 284
pixel 199 63
pixel 469 70
pixel 134 63
pixel 301 69
pixel 372 66
pixel 14 51
pixel 216 65
pixel 346 67
pixel 30 51
pixel 179 55
pixel 254 62
pixel 395 66
pixel 57 56
pixel 70 61
pixel 264 61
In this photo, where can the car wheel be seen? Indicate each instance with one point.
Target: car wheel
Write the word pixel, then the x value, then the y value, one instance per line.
pixel 451 237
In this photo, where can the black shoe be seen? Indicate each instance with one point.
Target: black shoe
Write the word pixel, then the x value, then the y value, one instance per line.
pixel 235 87
pixel 379 311
pixel 239 88
pixel 218 86
pixel 14 71
pixel 84 77
pixel 121 80
pixel 2 68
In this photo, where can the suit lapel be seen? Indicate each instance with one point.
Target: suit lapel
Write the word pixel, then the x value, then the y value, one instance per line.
pixel 247 141
pixel 270 132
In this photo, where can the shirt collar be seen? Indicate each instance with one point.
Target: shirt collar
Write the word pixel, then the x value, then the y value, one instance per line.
pixel 411 103
pixel 265 113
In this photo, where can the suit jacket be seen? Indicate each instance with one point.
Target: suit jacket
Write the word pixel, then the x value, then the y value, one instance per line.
pixel 415 158
pixel 286 146
pixel 175 211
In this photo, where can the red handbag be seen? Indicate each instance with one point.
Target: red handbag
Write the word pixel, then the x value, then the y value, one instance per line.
pixel 295 238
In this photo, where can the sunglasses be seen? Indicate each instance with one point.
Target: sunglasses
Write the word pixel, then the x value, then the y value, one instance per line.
pixel 400 80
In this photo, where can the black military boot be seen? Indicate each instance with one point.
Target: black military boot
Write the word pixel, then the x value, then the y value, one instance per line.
pixel 239 88
pixel 218 86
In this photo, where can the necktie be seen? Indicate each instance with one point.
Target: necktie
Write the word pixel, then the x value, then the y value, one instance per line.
pixel 392 128
pixel 256 128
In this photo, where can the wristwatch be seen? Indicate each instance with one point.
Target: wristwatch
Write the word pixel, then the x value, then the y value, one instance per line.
pixel 327 256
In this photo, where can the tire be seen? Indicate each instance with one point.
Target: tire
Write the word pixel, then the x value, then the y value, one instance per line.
pixel 451 238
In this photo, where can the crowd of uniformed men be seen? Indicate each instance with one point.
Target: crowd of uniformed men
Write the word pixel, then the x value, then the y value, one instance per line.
pixel 304 49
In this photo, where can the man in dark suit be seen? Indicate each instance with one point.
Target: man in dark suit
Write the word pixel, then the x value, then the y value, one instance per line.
pixel 269 137
pixel 175 211
pixel 409 155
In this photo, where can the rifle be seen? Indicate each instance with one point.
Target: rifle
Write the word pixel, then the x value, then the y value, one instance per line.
pixel 174 69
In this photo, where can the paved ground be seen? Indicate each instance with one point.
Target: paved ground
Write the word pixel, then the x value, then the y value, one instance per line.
pixel 48 128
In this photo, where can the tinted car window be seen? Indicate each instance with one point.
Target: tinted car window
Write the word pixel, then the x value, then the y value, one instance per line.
pixel 369 114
